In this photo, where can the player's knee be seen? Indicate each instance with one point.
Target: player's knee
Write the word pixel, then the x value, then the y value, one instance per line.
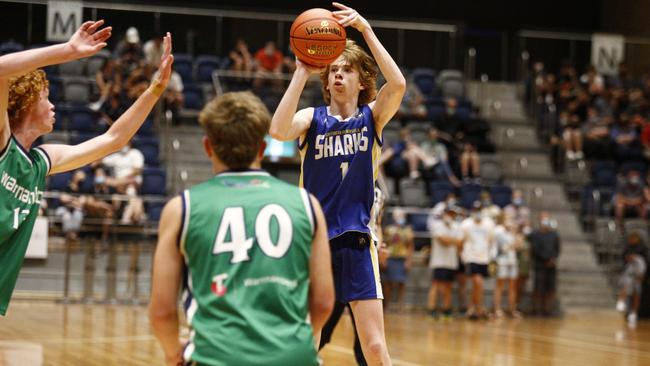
pixel 376 349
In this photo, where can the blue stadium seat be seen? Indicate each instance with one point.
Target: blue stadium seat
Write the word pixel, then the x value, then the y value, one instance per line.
pixel 76 91
pixel 425 79
pixel 56 89
pixel 147 129
pixel 501 195
pixel 628 166
pixel 59 182
pixel 153 210
pixel 604 173
pixel 205 65
pixel 150 152
pixel 469 193
pixel 153 181
pixel 193 97
pixel 439 191
pixel 418 221
pixel 9 47
pixel 183 66
pixel 463 114
pixel 83 119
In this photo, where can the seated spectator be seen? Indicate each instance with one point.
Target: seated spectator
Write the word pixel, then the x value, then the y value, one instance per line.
pixel 507 243
pixel 517 212
pixel 470 164
pixel 153 51
pixel 404 157
pixel 138 81
pixel 447 240
pixel 71 209
pixel 126 166
pixel 448 122
pixel 240 57
pixel 593 80
pixel 572 135
pixel 597 144
pixel 635 258
pixel 413 106
pixel 478 239
pixel 626 139
pixel 398 238
pixel 268 61
pixel 545 250
pixel 173 99
pixel 646 196
pixel 436 165
pixel 629 196
pixel 129 50
pixel 115 105
pixel 107 77
pixel 645 137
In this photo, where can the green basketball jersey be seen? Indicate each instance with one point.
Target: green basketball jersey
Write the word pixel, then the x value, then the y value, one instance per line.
pixel 22 181
pixel 246 239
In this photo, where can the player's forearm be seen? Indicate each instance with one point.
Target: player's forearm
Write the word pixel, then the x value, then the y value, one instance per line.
pixel 18 63
pixel 123 129
pixel 282 120
pixel 165 328
pixel 386 64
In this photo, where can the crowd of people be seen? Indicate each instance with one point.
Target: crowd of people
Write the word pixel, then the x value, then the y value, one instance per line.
pixel 472 246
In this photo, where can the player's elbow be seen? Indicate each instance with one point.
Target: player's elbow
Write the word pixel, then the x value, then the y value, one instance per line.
pixel 399 84
pixel 322 305
pixel 276 132
pixel 159 315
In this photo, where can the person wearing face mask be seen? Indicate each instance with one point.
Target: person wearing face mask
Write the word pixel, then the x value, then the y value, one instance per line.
pixel 440 207
pixel 629 196
pixel 478 238
pixel 545 247
pixel 517 212
pixel 447 240
pixel 398 237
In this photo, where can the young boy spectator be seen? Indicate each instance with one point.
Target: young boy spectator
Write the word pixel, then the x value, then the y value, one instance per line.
pixel 398 237
pixel 631 282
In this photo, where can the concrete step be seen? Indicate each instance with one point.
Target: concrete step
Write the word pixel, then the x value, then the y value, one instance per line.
pixel 526 165
pixel 542 195
pixel 522 138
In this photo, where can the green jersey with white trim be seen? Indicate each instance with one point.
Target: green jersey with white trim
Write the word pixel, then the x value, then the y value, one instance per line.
pixel 246 240
pixel 22 181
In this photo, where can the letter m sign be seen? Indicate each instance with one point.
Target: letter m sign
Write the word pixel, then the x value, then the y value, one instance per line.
pixel 63 19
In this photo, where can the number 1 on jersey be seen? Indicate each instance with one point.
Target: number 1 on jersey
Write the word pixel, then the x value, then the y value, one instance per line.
pixel 17 213
pixel 344 169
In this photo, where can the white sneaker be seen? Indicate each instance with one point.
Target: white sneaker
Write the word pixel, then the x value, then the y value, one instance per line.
pixel 570 155
pixel 620 306
pixel 631 319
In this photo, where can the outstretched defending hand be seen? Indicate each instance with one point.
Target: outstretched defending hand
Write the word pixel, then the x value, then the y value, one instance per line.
pixel 87 41
pixel 161 78
pixel 350 17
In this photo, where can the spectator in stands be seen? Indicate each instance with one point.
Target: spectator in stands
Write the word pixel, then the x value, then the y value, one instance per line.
pixel 268 61
pixel 470 164
pixel 126 166
pixel 597 143
pixel 478 239
pixel 523 265
pixel 173 99
pixel 240 57
pixel 635 258
pixel 153 50
pixel 129 50
pixel 623 80
pixel 646 196
pixel 629 196
pixel 488 208
pixel 448 122
pixel 645 137
pixel 404 157
pixel 436 165
pixel 626 139
pixel 517 212
pixel 507 243
pixel 413 105
pixel 115 105
pixel 398 238
pixel 138 80
pixel 593 80
pixel 440 207
pixel 572 135
pixel 71 209
pixel 447 240
pixel 545 248
pixel 107 77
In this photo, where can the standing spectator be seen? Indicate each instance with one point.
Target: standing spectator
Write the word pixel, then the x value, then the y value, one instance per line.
pixel 107 77
pixel 629 196
pixel 470 164
pixel 518 213
pixel 635 258
pixel 127 165
pixel 437 163
pixel 545 247
pixel 447 239
pixel 507 244
pixel 398 237
pixel 440 207
pixel 268 61
pixel 478 237
pixel 489 208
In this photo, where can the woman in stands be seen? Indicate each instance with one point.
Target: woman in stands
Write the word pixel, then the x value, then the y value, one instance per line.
pixel 26 114
pixel 343 179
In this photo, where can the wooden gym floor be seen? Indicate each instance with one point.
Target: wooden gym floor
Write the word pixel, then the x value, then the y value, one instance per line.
pixel 45 333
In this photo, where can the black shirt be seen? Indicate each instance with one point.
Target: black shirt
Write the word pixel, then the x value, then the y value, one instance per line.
pixel 544 245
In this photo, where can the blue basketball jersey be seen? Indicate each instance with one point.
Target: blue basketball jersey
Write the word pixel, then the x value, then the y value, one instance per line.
pixel 339 167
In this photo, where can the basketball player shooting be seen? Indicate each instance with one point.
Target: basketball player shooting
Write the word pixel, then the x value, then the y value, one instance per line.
pixel 27 114
pixel 340 147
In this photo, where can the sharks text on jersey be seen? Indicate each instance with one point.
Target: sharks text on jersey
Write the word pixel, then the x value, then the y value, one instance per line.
pixel 339 143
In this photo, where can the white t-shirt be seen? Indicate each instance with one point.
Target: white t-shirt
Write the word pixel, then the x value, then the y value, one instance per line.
pixel 123 163
pixel 444 256
pixel 505 241
pixel 153 52
pixel 478 240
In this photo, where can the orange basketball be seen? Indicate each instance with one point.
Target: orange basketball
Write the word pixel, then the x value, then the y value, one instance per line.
pixel 317 39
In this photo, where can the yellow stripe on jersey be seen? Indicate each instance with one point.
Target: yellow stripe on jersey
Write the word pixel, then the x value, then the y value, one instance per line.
pixel 375 268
